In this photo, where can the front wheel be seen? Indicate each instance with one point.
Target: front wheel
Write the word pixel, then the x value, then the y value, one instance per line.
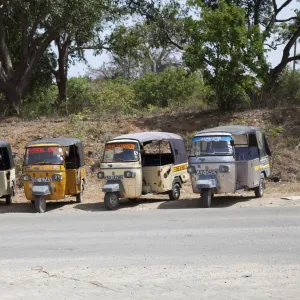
pixel 111 201
pixel 174 194
pixel 79 197
pixel 40 204
pixel 259 191
pixel 205 199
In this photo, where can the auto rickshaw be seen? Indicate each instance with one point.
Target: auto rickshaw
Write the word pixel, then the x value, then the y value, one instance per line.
pixel 228 159
pixel 7 173
pixel 53 168
pixel 143 163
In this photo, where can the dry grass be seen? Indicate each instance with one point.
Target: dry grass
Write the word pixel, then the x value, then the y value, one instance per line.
pixel 281 126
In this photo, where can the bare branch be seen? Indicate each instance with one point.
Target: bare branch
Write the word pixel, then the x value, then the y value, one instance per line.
pixel 4 52
pixel 274 16
pixel 286 20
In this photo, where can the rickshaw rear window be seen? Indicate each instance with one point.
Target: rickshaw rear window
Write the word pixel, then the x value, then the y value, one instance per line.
pixel 211 146
pixel 120 152
pixel 44 156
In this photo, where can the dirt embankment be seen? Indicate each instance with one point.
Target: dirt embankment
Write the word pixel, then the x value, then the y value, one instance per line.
pixel 281 126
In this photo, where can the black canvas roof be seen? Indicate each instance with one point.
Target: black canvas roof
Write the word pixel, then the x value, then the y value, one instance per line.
pixel 5 144
pixel 232 129
pixel 64 142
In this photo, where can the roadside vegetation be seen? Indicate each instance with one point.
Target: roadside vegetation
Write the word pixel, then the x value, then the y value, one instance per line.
pixel 181 66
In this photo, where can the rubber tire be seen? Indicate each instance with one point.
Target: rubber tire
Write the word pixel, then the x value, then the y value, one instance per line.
pixel 206 197
pixel 174 194
pixel 111 201
pixel 79 197
pixel 259 191
pixel 8 200
pixel 40 204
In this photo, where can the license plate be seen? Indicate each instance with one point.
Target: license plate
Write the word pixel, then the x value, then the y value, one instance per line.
pixel 41 179
pixel 114 177
pixel 207 172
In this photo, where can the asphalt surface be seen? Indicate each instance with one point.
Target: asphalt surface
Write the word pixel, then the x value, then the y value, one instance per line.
pixel 233 253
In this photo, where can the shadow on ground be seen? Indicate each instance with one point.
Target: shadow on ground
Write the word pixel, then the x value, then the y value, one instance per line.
pixel 30 208
pixel 222 201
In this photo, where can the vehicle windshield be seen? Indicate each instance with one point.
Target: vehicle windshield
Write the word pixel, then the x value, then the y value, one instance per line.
pixel 44 156
pixel 211 146
pixel 120 152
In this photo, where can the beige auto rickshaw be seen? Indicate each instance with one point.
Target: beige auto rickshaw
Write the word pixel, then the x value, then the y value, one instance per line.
pixel 7 173
pixel 228 159
pixel 143 163
pixel 53 168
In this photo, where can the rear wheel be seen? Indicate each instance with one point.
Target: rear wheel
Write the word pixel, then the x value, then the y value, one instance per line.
pixel 111 201
pixel 8 199
pixel 174 194
pixel 40 204
pixel 259 191
pixel 205 199
pixel 79 197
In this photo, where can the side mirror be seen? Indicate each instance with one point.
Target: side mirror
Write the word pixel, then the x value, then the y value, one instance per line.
pixel 142 151
pixel 67 153
pixel 232 143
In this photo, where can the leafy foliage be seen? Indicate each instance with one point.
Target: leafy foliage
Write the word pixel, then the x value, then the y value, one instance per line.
pixel 174 86
pixel 227 52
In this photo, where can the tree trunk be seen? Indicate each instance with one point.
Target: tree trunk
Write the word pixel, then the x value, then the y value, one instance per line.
pixel 13 97
pixel 62 73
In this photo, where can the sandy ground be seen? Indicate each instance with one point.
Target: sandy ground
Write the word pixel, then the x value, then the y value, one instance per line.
pixel 277 195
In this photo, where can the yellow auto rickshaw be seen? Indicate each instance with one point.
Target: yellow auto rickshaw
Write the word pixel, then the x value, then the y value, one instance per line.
pixel 53 168
pixel 7 172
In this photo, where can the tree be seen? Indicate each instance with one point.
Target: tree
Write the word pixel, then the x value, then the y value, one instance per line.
pixel 135 51
pixel 227 51
pixel 74 40
pixel 275 31
pixel 36 24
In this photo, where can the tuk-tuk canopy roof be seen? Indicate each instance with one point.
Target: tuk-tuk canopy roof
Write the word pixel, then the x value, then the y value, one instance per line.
pixel 143 137
pixel 64 142
pixel 176 142
pixel 232 129
pixel 6 145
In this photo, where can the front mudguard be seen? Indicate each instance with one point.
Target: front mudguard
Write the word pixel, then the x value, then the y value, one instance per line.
pixel 41 190
pixel 113 187
pixel 207 183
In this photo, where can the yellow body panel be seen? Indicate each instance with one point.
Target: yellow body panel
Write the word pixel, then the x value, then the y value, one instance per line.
pixel 69 185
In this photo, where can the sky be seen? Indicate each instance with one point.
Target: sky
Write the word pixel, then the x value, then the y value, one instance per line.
pixel 274 57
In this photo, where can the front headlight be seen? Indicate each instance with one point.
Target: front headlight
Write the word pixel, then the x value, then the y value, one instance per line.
pixel 224 169
pixel 26 178
pixel 57 177
pixel 100 175
pixel 129 174
pixel 191 170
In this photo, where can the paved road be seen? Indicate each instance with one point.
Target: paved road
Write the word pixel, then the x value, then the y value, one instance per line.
pixel 249 253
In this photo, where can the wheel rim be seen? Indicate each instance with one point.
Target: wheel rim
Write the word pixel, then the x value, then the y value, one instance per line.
pixel 113 200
